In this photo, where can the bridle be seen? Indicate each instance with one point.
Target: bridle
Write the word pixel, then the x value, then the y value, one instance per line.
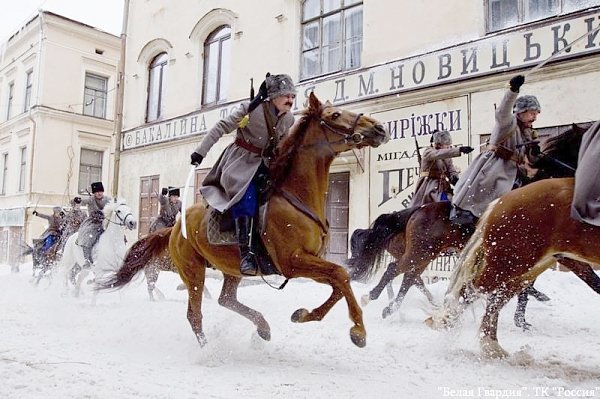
pixel 121 219
pixel 348 134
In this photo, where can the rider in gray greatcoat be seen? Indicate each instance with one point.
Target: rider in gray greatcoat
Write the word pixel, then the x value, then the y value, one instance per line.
pixel 91 228
pixel 169 208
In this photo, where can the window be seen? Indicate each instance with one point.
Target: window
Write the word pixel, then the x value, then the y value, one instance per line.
pixel 331 36
pixel 22 169
pixel 156 87
pixel 217 62
pixel 4 172
pixel 11 89
pixel 28 84
pixel 90 169
pixel 507 13
pixel 95 92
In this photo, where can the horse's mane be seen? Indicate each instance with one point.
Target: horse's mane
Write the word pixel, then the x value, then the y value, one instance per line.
pixel 555 144
pixel 288 148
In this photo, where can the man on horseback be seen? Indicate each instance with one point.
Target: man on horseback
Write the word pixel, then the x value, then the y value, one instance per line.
pixel 71 223
pixel 233 182
pixel 169 208
pixel 437 170
pixel 496 169
pixel 53 232
pixel 586 195
pixel 91 228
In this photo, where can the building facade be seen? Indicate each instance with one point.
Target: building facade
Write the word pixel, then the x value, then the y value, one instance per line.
pixel 416 67
pixel 57 79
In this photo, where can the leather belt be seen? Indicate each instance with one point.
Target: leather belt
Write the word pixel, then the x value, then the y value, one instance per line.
pixel 432 174
pixel 504 153
pixel 248 146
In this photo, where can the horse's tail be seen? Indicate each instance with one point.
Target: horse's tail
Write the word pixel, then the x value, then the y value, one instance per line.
pixel 136 258
pixel 366 262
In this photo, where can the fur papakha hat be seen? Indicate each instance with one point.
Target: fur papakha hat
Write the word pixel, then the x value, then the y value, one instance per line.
pixel 442 137
pixel 97 187
pixel 280 85
pixel 526 103
pixel 173 191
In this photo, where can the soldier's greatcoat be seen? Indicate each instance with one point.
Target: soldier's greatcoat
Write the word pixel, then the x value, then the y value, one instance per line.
pixel 230 177
pixel 167 213
pixel 436 168
pixel 91 228
pixel 586 198
pixel 493 172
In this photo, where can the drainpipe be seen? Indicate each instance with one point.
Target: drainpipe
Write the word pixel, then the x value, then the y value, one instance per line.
pixel 119 101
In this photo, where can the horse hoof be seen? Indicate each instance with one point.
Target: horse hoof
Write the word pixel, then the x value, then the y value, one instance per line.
pixel 386 312
pixel 491 349
pixel 358 336
pixel 364 300
pixel 300 315
pixel 201 339
pixel 264 334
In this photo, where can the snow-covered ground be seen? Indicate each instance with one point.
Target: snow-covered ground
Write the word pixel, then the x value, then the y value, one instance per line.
pixel 128 347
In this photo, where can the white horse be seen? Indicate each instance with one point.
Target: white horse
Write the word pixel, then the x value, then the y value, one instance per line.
pixel 108 252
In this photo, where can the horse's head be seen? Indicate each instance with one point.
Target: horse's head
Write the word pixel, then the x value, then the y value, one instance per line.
pixel 119 213
pixel 344 129
pixel 561 153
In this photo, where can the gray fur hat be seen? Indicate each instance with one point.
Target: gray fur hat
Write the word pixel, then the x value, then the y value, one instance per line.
pixel 526 103
pixel 441 137
pixel 280 85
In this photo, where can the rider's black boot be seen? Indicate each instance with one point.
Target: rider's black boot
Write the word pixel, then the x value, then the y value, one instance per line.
pixel 243 229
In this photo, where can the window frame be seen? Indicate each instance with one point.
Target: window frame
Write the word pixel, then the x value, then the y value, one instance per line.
pixel 345 38
pixel 82 186
pixel 28 90
pixel 22 169
pixel 4 173
pixel 155 67
pixel 94 96
pixel 561 7
pixel 220 93
pixel 11 96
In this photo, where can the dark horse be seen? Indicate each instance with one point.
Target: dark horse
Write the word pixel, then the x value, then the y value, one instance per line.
pixel 295 234
pixel 416 236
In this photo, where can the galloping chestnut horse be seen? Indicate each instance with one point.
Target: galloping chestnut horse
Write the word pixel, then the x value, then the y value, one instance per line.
pixel 519 236
pixel 416 236
pixel 296 227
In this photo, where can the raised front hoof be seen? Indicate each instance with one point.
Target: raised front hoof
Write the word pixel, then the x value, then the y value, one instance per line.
pixel 201 339
pixel 437 324
pixel 358 336
pixel 365 299
pixel 491 349
pixel 264 334
pixel 300 316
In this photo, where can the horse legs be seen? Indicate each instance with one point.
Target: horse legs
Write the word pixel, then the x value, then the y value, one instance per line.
pixel 388 276
pixel 228 299
pixel 582 270
pixel 151 273
pixel 519 318
pixel 408 281
pixel 320 270
pixel 489 325
pixel 421 286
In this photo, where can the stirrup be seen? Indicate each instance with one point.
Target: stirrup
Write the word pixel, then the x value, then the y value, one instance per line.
pixel 248 265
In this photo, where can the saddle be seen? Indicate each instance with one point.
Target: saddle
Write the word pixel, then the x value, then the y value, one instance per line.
pixel 221 231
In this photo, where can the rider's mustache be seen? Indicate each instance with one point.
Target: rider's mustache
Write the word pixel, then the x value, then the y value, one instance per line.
pixel 289 103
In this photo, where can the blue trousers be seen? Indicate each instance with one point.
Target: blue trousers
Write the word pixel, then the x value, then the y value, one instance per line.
pixel 48 242
pixel 248 205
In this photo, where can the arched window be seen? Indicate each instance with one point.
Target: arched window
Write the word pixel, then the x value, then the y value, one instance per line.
pixel 217 60
pixel 156 87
